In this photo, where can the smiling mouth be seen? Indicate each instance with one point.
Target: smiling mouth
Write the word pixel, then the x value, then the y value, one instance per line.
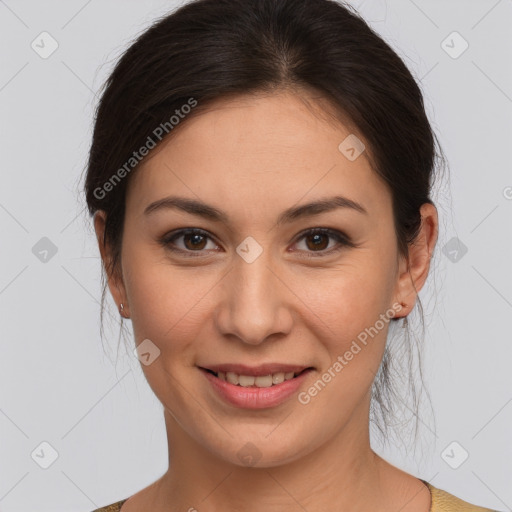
pixel 260 381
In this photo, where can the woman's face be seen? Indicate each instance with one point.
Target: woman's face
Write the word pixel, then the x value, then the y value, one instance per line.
pixel 249 290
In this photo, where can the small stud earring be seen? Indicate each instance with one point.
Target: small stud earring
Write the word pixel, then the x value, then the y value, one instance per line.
pixel 405 322
pixel 121 308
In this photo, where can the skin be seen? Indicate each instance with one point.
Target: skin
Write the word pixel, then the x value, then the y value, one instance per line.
pixel 253 157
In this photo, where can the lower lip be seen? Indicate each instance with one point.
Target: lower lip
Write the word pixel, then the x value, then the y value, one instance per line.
pixel 254 397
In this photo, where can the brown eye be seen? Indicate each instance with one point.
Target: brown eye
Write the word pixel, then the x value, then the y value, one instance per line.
pixel 193 240
pixel 317 241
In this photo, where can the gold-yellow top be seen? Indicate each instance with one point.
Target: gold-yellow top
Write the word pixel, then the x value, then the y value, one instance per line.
pixel 442 501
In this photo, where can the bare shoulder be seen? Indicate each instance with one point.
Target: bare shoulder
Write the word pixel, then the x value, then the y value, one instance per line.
pixel 403 491
pixel 411 493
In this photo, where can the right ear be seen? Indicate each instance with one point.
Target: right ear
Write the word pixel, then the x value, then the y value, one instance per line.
pixel 115 282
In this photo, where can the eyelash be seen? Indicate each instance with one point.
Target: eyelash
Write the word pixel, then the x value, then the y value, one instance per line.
pixel 343 241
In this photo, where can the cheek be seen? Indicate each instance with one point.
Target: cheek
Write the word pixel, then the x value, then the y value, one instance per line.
pixel 356 316
pixel 167 303
pixel 354 306
pixel 166 307
pixel 349 298
pixel 171 302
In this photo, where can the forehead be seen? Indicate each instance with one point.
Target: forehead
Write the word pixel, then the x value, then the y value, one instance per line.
pixel 257 151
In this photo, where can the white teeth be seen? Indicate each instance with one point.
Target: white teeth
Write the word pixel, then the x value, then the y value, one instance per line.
pixel 246 380
pixel 262 381
pixel 232 378
pixel 277 378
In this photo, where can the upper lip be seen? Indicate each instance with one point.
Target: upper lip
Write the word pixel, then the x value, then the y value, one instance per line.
pixel 262 369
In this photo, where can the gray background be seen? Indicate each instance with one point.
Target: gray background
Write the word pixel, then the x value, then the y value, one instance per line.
pixel 60 385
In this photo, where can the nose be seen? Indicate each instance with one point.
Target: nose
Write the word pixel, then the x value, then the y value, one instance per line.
pixel 255 301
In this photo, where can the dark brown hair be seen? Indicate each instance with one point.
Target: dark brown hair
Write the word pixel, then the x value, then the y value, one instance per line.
pixel 212 49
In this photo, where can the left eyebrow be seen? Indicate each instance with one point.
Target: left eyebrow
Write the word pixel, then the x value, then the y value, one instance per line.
pixel 209 212
pixel 321 206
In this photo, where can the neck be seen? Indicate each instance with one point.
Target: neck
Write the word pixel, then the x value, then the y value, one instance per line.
pixel 342 474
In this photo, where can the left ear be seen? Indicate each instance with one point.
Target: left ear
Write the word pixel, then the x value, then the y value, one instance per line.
pixel 413 274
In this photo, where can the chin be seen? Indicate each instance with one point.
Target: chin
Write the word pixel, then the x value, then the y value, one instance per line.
pixel 262 450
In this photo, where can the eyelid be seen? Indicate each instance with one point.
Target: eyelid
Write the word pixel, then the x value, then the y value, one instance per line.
pixel 173 235
pixel 335 233
pixel 342 239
